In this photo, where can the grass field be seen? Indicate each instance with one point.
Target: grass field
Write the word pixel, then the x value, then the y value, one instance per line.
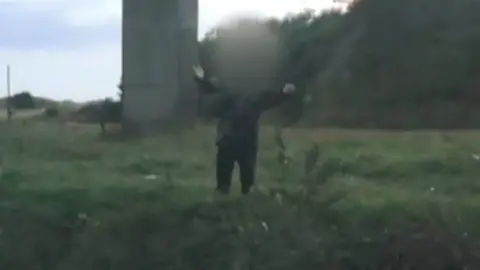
pixel 377 200
pixel 21 114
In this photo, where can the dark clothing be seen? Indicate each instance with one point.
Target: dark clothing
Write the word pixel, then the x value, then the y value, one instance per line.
pixel 239 114
pixel 237 131
pixel 226 158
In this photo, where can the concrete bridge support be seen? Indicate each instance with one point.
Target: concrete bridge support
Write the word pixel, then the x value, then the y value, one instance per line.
pixel 159 46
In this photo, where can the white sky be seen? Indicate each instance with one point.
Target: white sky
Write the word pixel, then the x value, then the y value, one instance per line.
pixel 92 72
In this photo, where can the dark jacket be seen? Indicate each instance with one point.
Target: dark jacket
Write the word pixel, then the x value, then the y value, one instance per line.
pixel 239 113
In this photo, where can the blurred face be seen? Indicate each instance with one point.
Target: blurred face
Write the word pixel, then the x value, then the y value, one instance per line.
pixel 246 56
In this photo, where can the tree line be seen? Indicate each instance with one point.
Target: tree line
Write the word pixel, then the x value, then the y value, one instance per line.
pixel 380 63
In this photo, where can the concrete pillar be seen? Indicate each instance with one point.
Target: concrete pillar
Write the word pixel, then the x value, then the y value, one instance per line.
pixel 186 110
pixel 156 45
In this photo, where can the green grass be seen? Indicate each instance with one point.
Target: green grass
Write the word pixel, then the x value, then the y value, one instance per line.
pixel 377 200
pixel 21 114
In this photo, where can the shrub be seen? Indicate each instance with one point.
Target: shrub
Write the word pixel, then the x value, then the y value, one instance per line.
pixel 51 112
pixel 23 100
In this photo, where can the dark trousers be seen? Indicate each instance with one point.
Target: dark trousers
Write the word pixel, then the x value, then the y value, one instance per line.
pixel 245 157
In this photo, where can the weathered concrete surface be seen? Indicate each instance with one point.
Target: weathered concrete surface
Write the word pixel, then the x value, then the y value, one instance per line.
pixel 188 56
pixel 159 40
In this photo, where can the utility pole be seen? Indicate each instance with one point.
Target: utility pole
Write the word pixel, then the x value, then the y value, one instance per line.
pixel 9 96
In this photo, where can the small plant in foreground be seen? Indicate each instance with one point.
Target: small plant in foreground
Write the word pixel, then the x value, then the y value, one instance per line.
pixel 282 158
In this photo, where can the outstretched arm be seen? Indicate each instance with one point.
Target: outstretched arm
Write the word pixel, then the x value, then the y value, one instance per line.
pixel 205 84
pixel 268 99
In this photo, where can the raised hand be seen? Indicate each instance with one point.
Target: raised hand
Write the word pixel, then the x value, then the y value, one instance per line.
pixel 289 88
pixel 198 71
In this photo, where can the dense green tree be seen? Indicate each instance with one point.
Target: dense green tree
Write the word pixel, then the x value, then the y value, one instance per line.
pixel 22 100
pixel 390 63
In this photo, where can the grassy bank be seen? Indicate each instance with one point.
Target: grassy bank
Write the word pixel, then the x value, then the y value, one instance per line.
pixel 377 200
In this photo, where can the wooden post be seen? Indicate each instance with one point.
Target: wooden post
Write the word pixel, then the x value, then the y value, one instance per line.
pixel 9 96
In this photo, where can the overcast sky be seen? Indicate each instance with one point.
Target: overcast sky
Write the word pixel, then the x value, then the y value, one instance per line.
pixel 70 49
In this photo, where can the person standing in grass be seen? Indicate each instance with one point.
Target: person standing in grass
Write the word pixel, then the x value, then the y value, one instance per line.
pixel 237 130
